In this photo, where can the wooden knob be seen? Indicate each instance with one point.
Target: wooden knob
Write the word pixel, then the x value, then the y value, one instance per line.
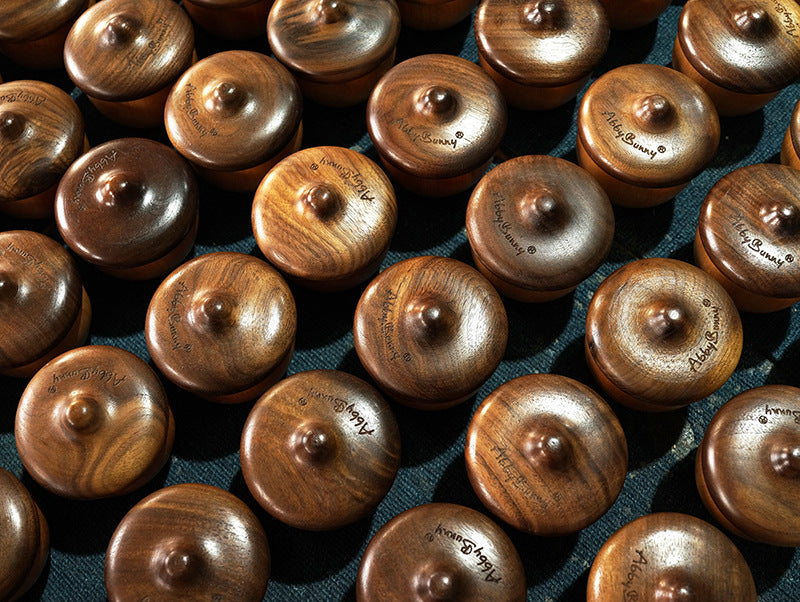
pixel 129 207
pixel 95 422
pixel 325 217
pixel 187 541
pixel 434 15
pixel 230 19
pixel 440 552
pixel 747 236
pixel 430 331
pixel 661 334
pixel 748 465
pixel 644 131
pixel 436 120
pixel 632 14
pixel 334 449
pixel 222 326
pixel 670 556
pixel 538 226
pixel 546 454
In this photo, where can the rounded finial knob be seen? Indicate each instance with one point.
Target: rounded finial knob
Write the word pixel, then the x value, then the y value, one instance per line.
pixel 117 188
pixel 213 312
pixel 82 415
pixel 331 11
pixel 541 210
pixel 437 100
pixel 313 443
pixel 226 98
pixel 178 564
pixel 666 321
pixel 674 587
pixel 786 459
pixel 320 201
pixel 654 111
pixel 548 446
pixel 752 21
pixel 430 319
pixel 438 584
pixel 543 14
pixel 119 30
pixel 12 125
pixel 781 218
pixel 8 286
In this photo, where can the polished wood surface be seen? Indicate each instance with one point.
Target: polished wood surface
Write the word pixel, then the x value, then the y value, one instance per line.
pixel 434 15
pixel 790 155
pixel 632 14
pixel 230 19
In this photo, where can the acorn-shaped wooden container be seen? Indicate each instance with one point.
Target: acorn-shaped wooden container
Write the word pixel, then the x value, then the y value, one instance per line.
pixel 337 49
pixel 742 52
pixel 790 149
pixel 436 121
pixel 540 53
pixel 644 131
pixel 45 308
pixel 748 236
pixel 230 19
pixel 538 226
pixel 325 217
pixel 434 15
pixel 41 135
pixel 632 14
pixel 661 334
pixel 234 115
pixel 129 207
pixel 125 55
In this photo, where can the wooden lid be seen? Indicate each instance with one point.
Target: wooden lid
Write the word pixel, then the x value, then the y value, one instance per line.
pixel 750 228
pixel 221 324
pixel 794 128
pixel 126 203
pixel 648 125
pixel 540 223
pixel 325 216
pixel 749 462
pixel 40 296
pixel 749 46
pixel 233 110
pixel 22 20
pixel 664 332
pixel 333 40
pixel 320 449
pixel 436 116
pixel 443 552
pixel 670 556
pixel 184 542
pixel 430 331
pixel 94 422
pixel 127 49
pixel 542 42
pixel 41 134
pixel 546 454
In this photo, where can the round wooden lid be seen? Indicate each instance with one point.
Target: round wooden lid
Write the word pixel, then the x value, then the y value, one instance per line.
pixel 794 128
pixel 233 110
pixel 750 228
pixel 333 40
pixel 436 116
pixel 648 125
pixel 540 223
pixel 94 422
pixel 188 541
pixel 546 454
pixel 127 49
pixel 40 296
pixel 22 20
pixel 41 134
pixel 749 462
pixel 126 203
pixel 430 331
pixel 25 538
pixel 325 216
pixel 670 556
pixel 320 449
pixel 221 324
pixel 542 42
pixel 749 46
pixel 443 552
pixel 664 332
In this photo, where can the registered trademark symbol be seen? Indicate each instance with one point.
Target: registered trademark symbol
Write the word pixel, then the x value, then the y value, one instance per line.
pixel 406 357
pixel 706 303
pixel 790 258
pixel 662 149
pixel 531 249
pixel 314 167
pixel 763 419
pixel 459 134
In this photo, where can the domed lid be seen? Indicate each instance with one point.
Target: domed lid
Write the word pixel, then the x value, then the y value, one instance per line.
pixel 441 552
pixel 233 110
pixel 670 556
pixel 540 222
pixel 333 40
pixel 430 331
pixel 754 439
pixel 40 296
pixel 664 332
pixel 128 49
pixel 542 42
pixel 22 20
pixel 546 454
pixel 221 324
pixel 794 128
pixel 436 116
pixel 94 422
pixel 185 541
pixel 333 446
pixel 41 134
pixel 126 203
pixel 750 227
pixel 749 46
pixel 648 125
pixel 325 214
